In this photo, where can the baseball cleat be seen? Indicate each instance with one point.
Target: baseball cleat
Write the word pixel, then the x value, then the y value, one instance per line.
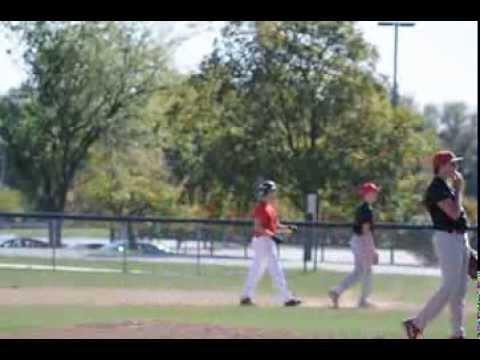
pixel 365 304
pixel 246 302
pixel 293 302
pixel 411 330
pixel 334 297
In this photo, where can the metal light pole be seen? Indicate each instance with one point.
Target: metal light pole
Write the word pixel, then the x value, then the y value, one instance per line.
pixel 396 25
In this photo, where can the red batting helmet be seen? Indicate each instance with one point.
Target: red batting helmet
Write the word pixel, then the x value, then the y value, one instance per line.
pixel 368 187
pixel 444 157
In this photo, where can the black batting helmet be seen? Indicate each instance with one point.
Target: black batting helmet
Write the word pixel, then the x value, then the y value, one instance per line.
pixel 265 188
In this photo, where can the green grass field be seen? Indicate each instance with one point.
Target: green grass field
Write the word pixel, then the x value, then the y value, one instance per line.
pixel 305 322
pixel 66 232
pixel 319 322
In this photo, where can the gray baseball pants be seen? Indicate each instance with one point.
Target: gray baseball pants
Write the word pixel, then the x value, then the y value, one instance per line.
pixel 452 252
pixel 362 270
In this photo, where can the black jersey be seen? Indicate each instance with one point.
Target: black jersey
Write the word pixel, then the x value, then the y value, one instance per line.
pixel 437 191
pixel 363 214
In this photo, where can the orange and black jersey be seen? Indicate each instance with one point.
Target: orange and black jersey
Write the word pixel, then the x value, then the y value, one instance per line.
pixel 267 215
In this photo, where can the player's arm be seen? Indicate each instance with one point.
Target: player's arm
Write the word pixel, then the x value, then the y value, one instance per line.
pixel 282 229
pixel 286 229
pixel 367 235
pixel 368 242
pixel 453 208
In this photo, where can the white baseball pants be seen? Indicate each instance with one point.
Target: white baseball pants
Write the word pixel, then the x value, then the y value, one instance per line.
pixel 362 270
pixel 265 256
pixel 452 252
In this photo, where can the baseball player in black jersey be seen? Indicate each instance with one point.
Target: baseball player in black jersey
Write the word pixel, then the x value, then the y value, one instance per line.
pixel 363 248
pixel 444 203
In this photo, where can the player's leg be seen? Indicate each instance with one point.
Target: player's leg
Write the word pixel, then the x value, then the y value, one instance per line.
pixel 354 276
pixel 277 274
pixel 457 299
pixel 366 287
pixel 450 259
pixel 256 270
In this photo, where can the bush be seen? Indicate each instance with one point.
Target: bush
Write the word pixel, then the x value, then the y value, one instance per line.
pixel 10 200
pixel 470 204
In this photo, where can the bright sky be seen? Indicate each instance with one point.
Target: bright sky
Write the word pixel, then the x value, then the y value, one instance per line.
pixel 438 60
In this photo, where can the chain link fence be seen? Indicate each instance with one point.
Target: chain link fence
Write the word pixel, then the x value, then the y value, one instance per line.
pixel 89 243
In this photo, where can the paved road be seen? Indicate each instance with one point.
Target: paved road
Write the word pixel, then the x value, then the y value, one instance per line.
pixel 291 257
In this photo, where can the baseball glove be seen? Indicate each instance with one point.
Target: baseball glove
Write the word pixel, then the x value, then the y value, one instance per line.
pixel 293 228
pixel 277 239
pixel 472 264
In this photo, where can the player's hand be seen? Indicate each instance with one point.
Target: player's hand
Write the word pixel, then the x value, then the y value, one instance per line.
pixel 375 258
pixel 293 228
pixel 458 180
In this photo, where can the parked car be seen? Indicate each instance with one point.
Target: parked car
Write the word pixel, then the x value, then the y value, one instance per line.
pixel 143 249
pixel 88 246
pixel 24 243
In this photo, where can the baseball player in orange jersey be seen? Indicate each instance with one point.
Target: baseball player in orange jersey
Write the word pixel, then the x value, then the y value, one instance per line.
pixel 363 247
pixel 266 226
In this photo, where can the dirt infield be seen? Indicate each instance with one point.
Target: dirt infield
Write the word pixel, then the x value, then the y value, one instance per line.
pixel 151 330
pixel 119 297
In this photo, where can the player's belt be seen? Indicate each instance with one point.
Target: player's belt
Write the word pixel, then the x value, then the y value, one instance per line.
pixel 453 231
pixel 456 231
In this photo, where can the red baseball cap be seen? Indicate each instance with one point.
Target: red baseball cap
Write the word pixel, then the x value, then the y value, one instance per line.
pixel 368 187
pixel 444 157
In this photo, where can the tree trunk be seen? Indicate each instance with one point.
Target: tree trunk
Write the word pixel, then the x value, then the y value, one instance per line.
pixel 55 233
pixel 51 234
pixel 54 203
pixel 132 244
pixel 112 233
pixel 58 232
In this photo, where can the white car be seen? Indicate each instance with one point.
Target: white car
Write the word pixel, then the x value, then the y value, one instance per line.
pixel 143 249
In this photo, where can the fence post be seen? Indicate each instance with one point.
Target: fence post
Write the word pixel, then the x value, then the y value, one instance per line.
pixel 392 254
pixel 52 239
pixel 212 242
pixel 125 249
pixel 322 245
pixel 308 239
pixel 198 252
pixel 316 254
pixel 54 257
pixel 179 241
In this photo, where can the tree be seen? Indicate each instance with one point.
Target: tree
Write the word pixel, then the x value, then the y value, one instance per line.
pixel 125 181
pixel 83 78
pixel 10 200
pixel 457 130
pixel 299 102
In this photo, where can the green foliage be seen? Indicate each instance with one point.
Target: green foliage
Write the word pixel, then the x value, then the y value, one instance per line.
pixel 10 200
pixel 131 182
pixel 103 119
pixel 83 79
pixel 457 129
pixel 298 102
pixel 471 208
